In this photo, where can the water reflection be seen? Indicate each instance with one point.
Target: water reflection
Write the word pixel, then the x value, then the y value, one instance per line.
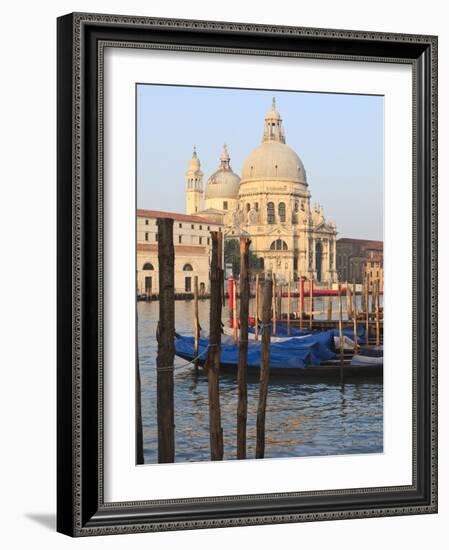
pixel 302 419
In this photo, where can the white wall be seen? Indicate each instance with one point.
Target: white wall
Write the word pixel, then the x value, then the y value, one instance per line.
pixel 27 218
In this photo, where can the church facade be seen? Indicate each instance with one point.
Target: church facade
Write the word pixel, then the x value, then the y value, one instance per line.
pixel 271 204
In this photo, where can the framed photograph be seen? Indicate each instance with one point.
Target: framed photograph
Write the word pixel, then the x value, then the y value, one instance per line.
pixel 247 274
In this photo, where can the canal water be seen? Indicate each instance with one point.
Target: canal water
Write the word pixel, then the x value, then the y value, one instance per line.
pixel 301 420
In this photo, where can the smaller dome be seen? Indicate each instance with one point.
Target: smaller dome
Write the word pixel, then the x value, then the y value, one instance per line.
pixel 223 183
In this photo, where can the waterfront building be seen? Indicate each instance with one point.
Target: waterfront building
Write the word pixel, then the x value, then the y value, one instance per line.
pixel 192 242
pixel 271 204
pixel 373 268
pixel 355 257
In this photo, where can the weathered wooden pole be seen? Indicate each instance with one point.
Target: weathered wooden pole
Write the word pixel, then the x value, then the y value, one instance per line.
pixel 212 363
pixel 310 302
pixel 274 304
pixel 377 313
pixel 256 315
pixel 348 301
pixel 301 301
pixel 242 403
pixel 355 317
pixel 329 308
pixel 340 330
pixel 367 310
pixel 267 291
pixel 279 302
pixel 166 342
pixel 196 321
pixel 139 426
pixel 289 305
pixel 231 294
pixel 354 297
pixel 234 311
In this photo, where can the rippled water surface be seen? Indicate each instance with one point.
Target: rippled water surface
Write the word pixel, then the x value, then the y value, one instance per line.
pixel 302 419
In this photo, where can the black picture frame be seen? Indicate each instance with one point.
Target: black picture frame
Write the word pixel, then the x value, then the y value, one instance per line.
pixel 81 510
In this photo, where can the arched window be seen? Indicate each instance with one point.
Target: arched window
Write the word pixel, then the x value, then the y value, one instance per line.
pixel 282 212
pixel 270 212
pixel 187 267
pixel 148 267
pixel 279 244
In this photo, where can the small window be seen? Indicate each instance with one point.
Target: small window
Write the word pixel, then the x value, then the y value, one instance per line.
pixel 188 284
pixel 147 236
pixel 256 207
pixel 208 240
pixel 270 213
pixel 148 267
pixel 156 237
pixel 201 227
pixel 282 212
pixel 248 207
pixel 192 226
pixel 208 227
pixel 180 239
pixel 200 240
pixel 147 222
pixel 187 267
pixel 225 205
pixel 180 226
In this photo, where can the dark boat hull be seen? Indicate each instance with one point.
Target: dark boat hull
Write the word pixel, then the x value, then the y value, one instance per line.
pixel 318 373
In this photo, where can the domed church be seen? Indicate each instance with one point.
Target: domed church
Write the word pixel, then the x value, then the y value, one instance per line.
pixel 270 204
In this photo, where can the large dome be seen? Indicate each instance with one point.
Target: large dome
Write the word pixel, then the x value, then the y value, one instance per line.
pixel 223 183
pixel 274 160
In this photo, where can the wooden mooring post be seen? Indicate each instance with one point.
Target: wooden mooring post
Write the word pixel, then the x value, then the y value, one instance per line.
pixel 348 301
pixel 196 321
pixel 234 311
pixel 212 363
pixel 367 309
pixel 279 302
pixel 289 304
pixel 329 308
pixel 138 393
pixel 256 313
pixel 242 383
pixel 267 291
pixel 354 311
pixel 273 306
pixel 301 301
pixel 377 313
pixel 310 302
pixel 166 342
pixel 139 426
pixel 340 331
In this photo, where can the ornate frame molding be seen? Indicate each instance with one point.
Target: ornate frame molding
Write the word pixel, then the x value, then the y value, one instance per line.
pixel 81 41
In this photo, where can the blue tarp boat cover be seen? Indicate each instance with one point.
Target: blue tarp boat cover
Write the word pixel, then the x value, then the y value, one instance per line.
pixel 281 330
pixel 312 349
pixel 369 357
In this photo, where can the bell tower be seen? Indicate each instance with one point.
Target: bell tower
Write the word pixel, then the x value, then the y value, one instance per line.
pixel 194 185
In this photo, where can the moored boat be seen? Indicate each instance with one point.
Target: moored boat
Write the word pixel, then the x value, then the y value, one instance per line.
pixel 311 356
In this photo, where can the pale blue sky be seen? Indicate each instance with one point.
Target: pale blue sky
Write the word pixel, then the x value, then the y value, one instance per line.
pixel 340 139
